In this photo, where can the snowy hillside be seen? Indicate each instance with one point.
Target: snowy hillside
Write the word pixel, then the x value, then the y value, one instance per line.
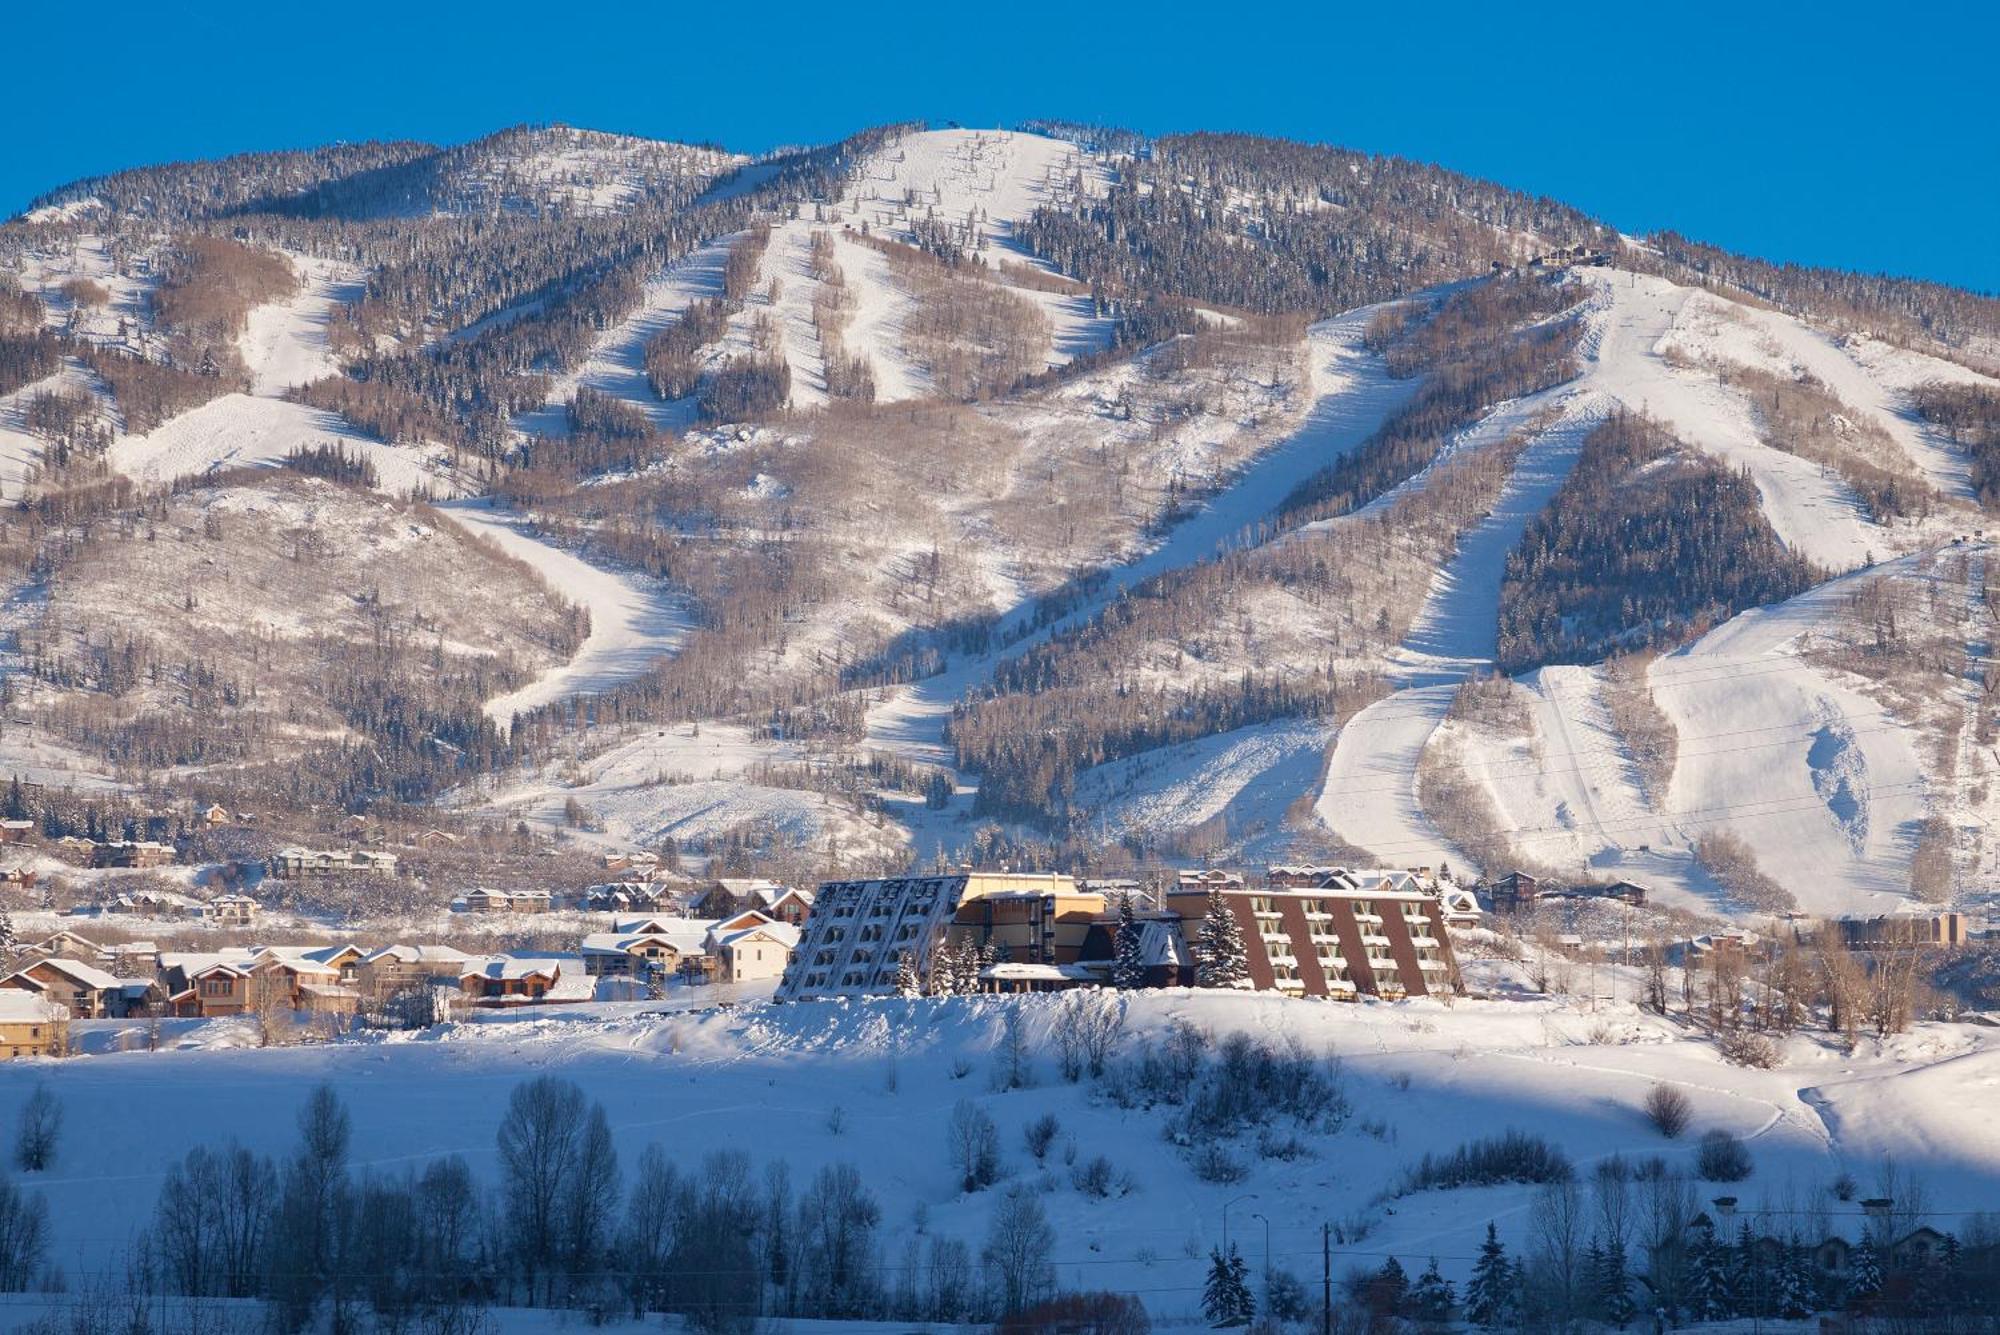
pixel 1248 455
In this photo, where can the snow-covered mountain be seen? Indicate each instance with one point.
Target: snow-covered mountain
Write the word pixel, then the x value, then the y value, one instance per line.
pixel 981 491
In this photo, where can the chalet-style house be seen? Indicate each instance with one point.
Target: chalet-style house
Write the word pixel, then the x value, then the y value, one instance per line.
pixel 509 980
pixel 294 863
pixel 132 853
pixel 1515 890
pixel 16 831
pixel 84 990
pixel 391 969
pixel 657 945
pixel 28 1024
pixel 231 910
pixel 751 951
pixel 508 901
pixel 213 815
pixel 206 986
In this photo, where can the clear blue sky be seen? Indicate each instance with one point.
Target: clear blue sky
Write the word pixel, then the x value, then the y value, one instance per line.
pixel 1864 136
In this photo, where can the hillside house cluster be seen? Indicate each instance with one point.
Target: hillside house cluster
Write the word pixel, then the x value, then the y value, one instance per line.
pixel 231 909
pixel 750 946
pixel 1333 933
pixel 1520 890
pixel 302 863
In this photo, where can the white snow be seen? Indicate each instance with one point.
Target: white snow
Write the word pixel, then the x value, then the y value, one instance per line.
pixel 284 342
pixel 1421 1077
pixel 238 430
pixel 633 622
pixel 1353 395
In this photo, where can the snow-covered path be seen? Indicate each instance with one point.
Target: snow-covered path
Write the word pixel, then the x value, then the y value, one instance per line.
pixel 1352 397
pixel 632 621
pixel 284 343
pixel 617 364
pixel 1812 511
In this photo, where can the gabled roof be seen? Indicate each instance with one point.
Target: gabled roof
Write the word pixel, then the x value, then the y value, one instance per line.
pixel 85 975
pixel 418 954
pixel 783 934
pixel 508 967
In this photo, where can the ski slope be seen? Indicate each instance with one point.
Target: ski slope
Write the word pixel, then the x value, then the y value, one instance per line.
pixel 242 431
pixel 284 343
pixel 1800 764
pixel 1353 395
pixel 1812 511
pixel 633 622
pixel 617 362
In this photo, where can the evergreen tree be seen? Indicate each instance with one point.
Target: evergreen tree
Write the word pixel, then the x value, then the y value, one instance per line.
pixel 17 800
pixel 1489 1294
pixel 1864 1282
pixel 1708 1278
pixel 9 943
pixel 1611 1285
pixel 1222 959
pixel 1795 1297
pixel 1226 1299
pixel 1128 971
pixel 944 970
pixel 1751 1288
pixel 907 984
pixel 1389 1289
pixel 1432 1299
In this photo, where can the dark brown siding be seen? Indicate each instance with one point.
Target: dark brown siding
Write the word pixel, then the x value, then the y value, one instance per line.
pixel 1435 912
pixel 1348 928
pixel 1401 949
pixel 1292 913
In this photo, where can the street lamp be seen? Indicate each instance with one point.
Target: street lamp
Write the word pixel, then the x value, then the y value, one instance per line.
pixel 1254 1214
pixel 1246 1196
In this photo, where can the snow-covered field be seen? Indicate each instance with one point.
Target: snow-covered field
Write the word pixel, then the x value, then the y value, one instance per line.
pixel 1420 1077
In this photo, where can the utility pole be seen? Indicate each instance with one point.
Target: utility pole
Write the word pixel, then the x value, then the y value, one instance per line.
pixel 1325 1278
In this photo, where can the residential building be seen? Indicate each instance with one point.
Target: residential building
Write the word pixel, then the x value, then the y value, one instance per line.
pixel 132 853
pixel 292 863
pixel 1367 933
pixel 84 990
pixel 484 900
pixel 392 969
pixel 753 953
pixel 16 831
pixel 1905 931
pixel 859 930
pixel 207 985
pixel 1515 890
pixel 662 945
pixel 28 1024
pixel 501 980
pixel 231 910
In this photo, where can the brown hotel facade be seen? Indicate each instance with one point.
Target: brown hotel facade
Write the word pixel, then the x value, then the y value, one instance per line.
pixel 1355 934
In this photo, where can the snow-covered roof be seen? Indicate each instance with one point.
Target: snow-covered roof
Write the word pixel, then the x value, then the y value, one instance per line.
pixel 783 933
pixel 87 975
pixel 623 943
pixel 1048 973
pixel 509 966
pixel 418 954
pixel 17 1007
pixel 1161 943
